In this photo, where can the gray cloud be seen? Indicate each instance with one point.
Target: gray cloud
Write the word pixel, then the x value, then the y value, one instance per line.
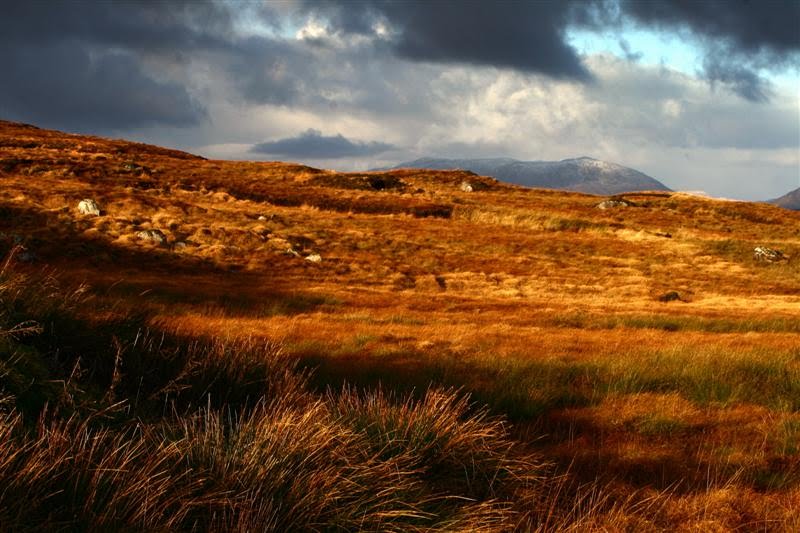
pixel 85 66
pixel 271 71
pixel 66 88
pixel 119 65
pixel 741 38
pixel 630 55
pixel 527 36
pixel 311 144
pixel 750 27
pixel 740 79
pixel 163 26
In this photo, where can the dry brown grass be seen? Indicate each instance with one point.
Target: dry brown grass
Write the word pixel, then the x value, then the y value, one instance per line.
pixel 656 416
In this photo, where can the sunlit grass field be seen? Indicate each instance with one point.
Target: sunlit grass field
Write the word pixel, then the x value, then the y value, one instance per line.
pixel 496 360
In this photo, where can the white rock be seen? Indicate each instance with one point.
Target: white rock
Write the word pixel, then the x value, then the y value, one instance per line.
pixel 152 235
pixel 314 258
pixel 611 204
pixel 88 207
pixel 466 187
pixel 762 253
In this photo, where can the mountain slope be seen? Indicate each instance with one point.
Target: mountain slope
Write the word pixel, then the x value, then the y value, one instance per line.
pixel 790 200
pixel 582 174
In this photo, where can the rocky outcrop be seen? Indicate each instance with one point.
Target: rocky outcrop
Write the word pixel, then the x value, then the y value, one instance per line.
pixel 88 207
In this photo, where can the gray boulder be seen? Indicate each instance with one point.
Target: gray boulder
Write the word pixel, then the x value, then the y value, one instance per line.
pixel 769 255
pixel 88 207
pixel 152 235
pixel 613 204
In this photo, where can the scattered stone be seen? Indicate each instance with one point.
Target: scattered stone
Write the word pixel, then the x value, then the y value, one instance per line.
pixel 152 235
pixel 130 166
pixel 180 245
pixel 292 251
pixel 26 256
pixel 466 186
pixel 314 258
pixel 670 296
pixel 88 207
pixel 262 218
pixel 770 255
pixel 613 204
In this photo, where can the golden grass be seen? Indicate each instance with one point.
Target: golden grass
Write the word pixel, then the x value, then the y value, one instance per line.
pixel 655 416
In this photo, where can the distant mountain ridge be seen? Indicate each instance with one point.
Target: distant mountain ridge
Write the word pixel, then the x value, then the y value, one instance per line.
pixel 582 174
pixel 790 200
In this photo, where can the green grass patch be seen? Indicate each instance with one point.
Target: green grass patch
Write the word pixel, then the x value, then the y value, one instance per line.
pixel 659 425
pixel 525 387
pixel 676 323
pixel 573 224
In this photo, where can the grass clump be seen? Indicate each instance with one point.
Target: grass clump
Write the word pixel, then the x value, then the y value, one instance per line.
pixel 109 425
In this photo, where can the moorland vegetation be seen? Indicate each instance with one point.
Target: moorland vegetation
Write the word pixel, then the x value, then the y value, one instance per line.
pixel 385 351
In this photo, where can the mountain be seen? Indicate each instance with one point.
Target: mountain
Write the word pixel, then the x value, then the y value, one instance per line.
pixel 582 174
pixel 790 200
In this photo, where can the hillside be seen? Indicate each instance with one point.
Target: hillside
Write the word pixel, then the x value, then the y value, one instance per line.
pixel 269 343
pixel 790 200
pixel 582 174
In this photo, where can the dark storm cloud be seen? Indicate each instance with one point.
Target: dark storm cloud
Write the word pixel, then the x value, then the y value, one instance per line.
pixel 313 145
pixel 65 88
pixel 527 36
pixel 165 25
pixel 741 38
pixel 82 65
pixel 107 66
pixel 751 27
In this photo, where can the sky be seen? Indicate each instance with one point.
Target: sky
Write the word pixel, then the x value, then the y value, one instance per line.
pixel 703 95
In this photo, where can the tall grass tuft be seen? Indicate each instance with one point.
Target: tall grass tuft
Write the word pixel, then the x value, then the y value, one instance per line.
pixel 113 425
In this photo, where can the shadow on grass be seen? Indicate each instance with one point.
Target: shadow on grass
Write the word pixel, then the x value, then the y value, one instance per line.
pixel 540 398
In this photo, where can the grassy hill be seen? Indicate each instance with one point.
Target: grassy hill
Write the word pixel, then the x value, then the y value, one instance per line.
pixel 385 351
